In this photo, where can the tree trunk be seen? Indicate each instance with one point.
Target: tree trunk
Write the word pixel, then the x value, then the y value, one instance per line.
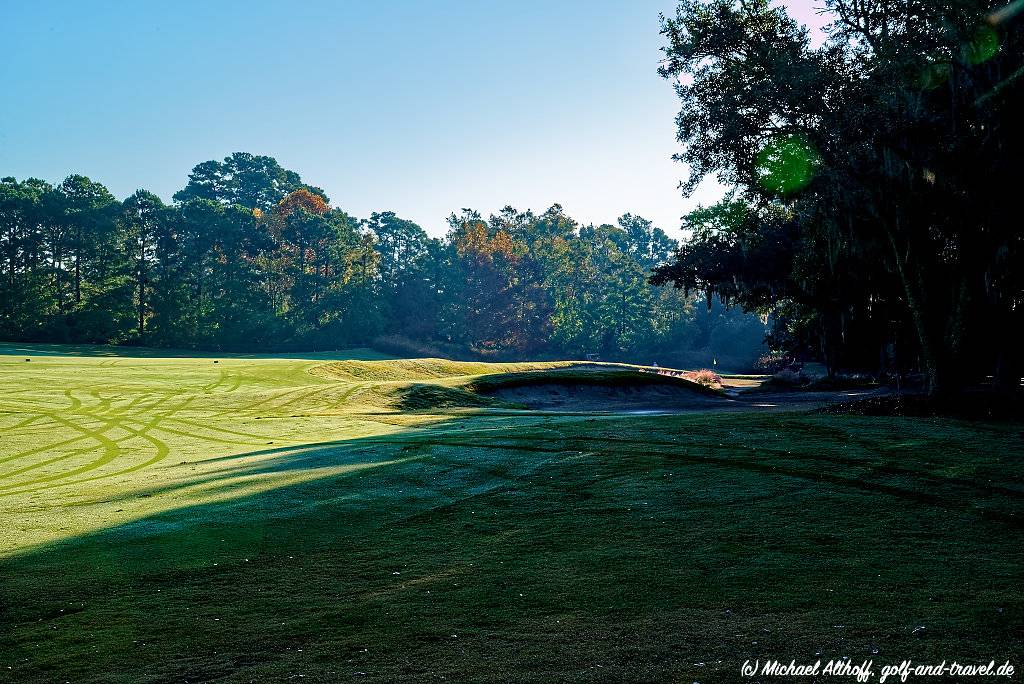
pixel 78 268
pixel 1008 369
pixel 142 288
pixel 1007 372
pixel 142 306
pixel 930 351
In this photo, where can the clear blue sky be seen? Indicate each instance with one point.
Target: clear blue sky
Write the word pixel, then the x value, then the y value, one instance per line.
pixel 412 106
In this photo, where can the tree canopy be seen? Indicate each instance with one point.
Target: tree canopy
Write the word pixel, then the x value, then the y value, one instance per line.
pixel 249 256
pixel 873 213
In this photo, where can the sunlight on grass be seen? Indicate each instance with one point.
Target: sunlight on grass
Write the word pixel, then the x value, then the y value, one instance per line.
pixel 109 439
pixel 106 439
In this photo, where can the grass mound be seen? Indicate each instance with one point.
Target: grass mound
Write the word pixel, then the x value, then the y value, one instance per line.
pixel 417 369
pixel 431 384
pixel 423 397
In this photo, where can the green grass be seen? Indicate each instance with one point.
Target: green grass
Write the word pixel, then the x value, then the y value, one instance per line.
pixel 32 349
pixel 257 519
pixel 401 370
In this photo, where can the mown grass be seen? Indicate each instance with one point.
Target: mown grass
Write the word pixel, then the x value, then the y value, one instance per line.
pixel 296 528
pixel 422 369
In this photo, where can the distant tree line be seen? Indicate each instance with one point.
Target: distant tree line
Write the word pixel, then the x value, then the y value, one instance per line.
pixel 248 257
pixel 876 214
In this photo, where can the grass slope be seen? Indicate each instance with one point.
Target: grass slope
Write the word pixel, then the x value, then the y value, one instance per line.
pixel 172 519
pixel 403 370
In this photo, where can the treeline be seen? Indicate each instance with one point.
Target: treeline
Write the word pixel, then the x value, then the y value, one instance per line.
pixel 876 215
pixel 248 257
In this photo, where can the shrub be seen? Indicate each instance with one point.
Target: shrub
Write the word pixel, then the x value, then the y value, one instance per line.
pixel 706 377
pixel 772 362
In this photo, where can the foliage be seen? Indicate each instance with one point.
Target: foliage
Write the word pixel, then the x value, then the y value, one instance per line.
pixel 705 377
pixel 875 213
pixel 772 362
pixel 250 257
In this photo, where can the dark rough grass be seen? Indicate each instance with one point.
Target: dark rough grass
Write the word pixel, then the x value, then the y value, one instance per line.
pixel 497 549
pixel 976 405
pixel 430 397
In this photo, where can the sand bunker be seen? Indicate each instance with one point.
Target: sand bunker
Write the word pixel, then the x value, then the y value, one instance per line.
pixel 618 396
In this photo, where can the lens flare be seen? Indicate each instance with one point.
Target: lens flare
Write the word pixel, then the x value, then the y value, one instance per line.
pixel 983 47
pixel 787 164
pixel 1005 13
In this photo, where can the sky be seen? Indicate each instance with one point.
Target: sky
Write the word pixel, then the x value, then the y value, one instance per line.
pixel 417 107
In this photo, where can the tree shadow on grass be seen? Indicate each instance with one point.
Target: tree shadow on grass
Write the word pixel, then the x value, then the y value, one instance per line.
pixel 131 582
pixel 312 461
pixel 370 551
